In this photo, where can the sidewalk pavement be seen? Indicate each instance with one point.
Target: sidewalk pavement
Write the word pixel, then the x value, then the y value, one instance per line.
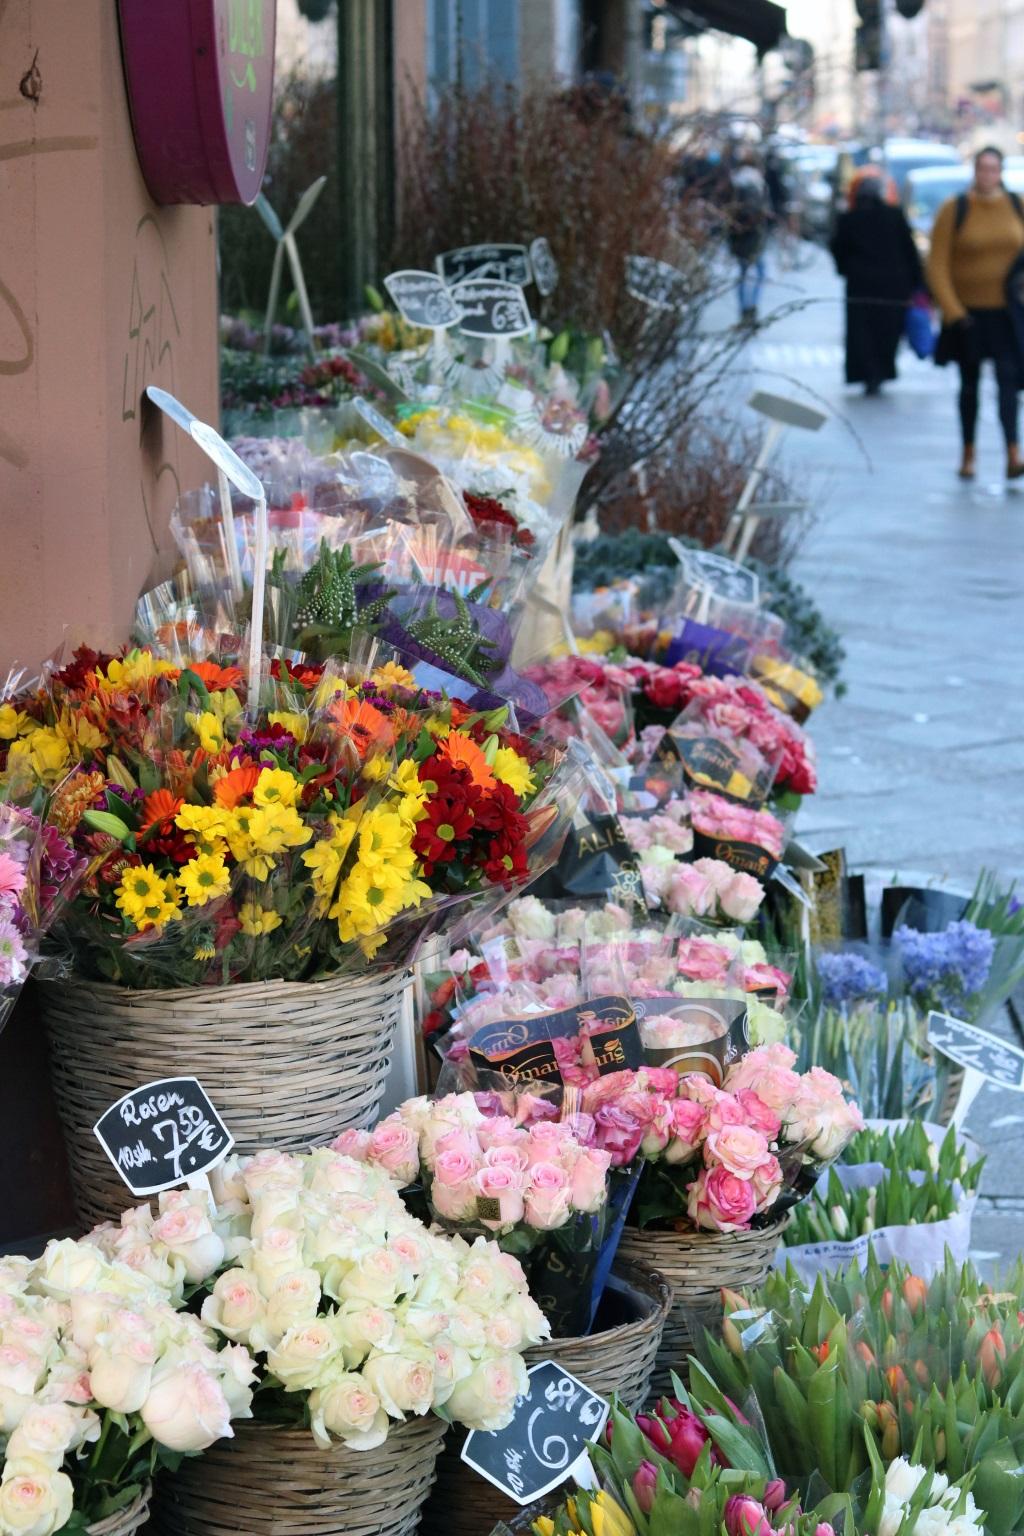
pixel 920 763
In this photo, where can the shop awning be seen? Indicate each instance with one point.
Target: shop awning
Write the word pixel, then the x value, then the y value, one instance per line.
pixel 761 22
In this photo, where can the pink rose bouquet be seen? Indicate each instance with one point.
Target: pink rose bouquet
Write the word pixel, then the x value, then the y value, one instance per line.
pixel 542 1190
pixel 750 840
pixel 742 709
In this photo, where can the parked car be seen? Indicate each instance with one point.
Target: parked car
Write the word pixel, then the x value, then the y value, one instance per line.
pixel 901 156
pixel 813 170
pixel 925 191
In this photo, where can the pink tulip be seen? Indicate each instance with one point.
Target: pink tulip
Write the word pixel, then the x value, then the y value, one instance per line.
pixel 744 1516
pixel 645 1485
pixel 775 1495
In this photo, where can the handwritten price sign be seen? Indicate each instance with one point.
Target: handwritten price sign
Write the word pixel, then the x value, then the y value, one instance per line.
pixel 977 1050
pixel 553 1425
pixel 163 1134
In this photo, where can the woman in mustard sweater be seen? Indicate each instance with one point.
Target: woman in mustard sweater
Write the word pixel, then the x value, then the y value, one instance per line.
pixel 975 242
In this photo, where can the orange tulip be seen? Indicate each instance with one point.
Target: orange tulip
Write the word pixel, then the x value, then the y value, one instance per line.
pixel 990 1354
pixel 865 1352
pixel 915 1293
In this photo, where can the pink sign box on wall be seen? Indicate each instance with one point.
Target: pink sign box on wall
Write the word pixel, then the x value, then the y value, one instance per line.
pixel 200 85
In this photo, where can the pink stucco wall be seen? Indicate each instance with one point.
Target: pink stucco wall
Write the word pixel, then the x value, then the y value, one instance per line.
pixel 101 292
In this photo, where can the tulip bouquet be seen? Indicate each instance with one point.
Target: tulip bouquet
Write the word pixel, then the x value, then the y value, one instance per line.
pixel 545 1195
pixel 356 1314
pixel 227 842
pixel 667 1474
pixel 101 1382
pixel 934 1371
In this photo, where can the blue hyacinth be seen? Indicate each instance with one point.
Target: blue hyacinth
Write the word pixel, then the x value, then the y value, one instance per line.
pixel 847 977
pixel 945 970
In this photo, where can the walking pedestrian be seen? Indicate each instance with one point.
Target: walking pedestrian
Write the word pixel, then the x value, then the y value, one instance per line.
pixel 976 240
pixel 748 231
pixel 874 251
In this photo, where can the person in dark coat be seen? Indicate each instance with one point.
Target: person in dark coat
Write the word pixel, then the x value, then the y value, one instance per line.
pixel 874 251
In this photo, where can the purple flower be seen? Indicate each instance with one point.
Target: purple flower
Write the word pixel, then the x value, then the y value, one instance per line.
pixel 847 977
pixel 13 957
pixel 945 970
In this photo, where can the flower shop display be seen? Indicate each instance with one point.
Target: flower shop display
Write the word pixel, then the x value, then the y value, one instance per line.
pixel 360 1323
pixel 883 1364
pixel 242 860
pixel 103 1383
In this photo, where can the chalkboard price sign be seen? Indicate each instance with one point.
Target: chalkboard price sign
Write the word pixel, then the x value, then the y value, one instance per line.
pixel 545 267
pixel 492 309
pixel 422 299
pixel 553 1425
pixel 999 1062
pixel 162 1134
pixel 504 263
pixel 655 283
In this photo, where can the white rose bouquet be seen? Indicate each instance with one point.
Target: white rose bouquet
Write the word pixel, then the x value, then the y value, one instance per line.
pixel 101 1381
pixel 357 1314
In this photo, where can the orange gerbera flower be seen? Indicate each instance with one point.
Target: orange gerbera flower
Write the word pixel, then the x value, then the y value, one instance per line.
pixel 214 678
pixel 463 752
pixel 363 722
pixel 159 809
pixel 234 786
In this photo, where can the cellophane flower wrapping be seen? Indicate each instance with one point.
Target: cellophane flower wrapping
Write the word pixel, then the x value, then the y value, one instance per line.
pixel 104 1381
pixel 356 1314
pixel 227 840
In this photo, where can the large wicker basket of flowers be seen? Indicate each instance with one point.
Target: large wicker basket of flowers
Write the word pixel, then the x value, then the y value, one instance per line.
pixel 617 1356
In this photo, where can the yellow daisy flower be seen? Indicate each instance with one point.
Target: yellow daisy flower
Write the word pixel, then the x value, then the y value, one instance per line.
pixel 391 675
pixel 511 769
pixel 276 786
pixel 136 667
pixel 146 898
pixel 258 921
pixel 203 879
pixel 208 728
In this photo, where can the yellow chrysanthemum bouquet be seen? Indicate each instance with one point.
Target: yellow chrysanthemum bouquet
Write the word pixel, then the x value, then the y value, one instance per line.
pixel 228 842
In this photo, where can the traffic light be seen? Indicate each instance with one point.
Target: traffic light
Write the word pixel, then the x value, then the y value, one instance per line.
pixel 315 10
pixel 868 45
pixel 870 12
pixel 910 8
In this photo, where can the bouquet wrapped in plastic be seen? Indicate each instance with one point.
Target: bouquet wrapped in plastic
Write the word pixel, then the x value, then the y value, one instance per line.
pixel 230 839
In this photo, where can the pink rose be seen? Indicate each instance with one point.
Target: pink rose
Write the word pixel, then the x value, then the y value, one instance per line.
pixel 758 1113
pixel 545 1141
pixel 741 898
pixel 689 893
pixel 767 1182
pixel 590 1179
pixel 702 960
pixel 459 1142
pixel 658 1080
pixel 739 1148
pixel 720 1202
pixel 548 1197
pixel 618 1133
pixel 396 1149
pixel 607 1090
pixel 505 1185
pixel 505 1157
pixel 352 1143
pixel 499 1131
pixel 654 1114
pixel 689 1124
pixel 452 1194
pixel 725 1110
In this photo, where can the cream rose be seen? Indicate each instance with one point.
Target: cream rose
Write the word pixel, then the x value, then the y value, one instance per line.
pixel 34 1499
pixel 277 1253
pixel 380 1276
pixel 362 1329
pixel 67 1268
pixel 346 1407
pixel 235 1305
pixel 403 1382
pixel 300 1359
pixel 486 1398
pixel 188 1233
pixel 186 1409
pixel 49 1430
pixel 294 1300
pixel 120 1382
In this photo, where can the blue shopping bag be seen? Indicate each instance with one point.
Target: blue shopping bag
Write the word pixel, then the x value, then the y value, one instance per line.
pixel 919 328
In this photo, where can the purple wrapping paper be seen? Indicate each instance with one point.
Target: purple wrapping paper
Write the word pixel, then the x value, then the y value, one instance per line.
pixel 717 652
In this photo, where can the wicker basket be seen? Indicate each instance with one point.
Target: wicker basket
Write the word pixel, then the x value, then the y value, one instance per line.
pixel 697 1265
pixel 618 1358
pixel 286 1064
pixel 128 1520
pixel 277 1482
